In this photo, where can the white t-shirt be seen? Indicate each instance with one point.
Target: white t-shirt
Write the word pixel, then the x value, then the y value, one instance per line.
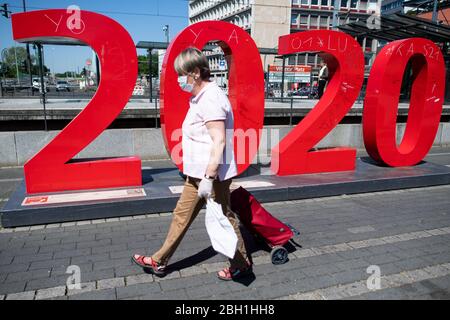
pixel 210 103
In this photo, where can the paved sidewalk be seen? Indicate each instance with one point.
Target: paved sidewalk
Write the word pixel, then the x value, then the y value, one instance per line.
pixel 404 233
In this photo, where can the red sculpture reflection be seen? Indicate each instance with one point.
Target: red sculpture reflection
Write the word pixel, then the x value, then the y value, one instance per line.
pixel 52 169
pixel 346 65
pixel 381 101
pixel 245 88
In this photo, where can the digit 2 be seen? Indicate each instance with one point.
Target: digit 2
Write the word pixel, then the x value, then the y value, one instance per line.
pixel 345 62
pixel 52 169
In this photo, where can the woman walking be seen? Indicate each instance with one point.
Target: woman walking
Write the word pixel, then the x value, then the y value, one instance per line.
pixel 208 163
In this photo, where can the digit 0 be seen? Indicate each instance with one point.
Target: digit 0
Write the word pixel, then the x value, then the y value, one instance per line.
pixel 381 102
pixel 51 169
pixel 245 88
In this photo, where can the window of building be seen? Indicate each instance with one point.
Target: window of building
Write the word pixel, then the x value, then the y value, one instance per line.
pixel 344 3
pixel 353 3
pixel 291 60
pixel 323 21
pixel 314 20
pixel 324 2
pixel 314 2
pixel 294 19
pixel 305 2
pixel 303 19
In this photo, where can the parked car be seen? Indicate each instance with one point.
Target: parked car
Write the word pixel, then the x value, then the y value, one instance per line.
pixel 300 92
pixel 62 85
pixel 315 93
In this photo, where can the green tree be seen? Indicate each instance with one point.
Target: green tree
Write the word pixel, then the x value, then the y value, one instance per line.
pixel 143 65
pixel 9 62
pixel 67 74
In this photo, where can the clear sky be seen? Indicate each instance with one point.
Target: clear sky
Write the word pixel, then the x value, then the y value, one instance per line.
pixel 143 19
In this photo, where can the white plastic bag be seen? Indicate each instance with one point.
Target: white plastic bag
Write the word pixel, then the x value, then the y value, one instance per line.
pixel 220 231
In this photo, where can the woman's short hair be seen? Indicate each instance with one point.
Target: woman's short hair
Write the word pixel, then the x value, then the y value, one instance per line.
pixel 192 58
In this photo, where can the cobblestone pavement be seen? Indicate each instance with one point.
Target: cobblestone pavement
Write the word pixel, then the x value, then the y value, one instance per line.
pixel 404 234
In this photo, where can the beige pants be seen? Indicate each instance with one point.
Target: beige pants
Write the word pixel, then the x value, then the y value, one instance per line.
pixel 187 208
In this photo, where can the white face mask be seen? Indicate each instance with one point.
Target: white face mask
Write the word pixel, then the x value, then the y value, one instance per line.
pixel 185 86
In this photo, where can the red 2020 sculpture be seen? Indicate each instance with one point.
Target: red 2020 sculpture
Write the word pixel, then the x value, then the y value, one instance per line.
pixel 381 102
pixel 52 169
pixel 245 88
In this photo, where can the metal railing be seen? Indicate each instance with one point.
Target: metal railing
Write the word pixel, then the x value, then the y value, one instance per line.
pixel 73 93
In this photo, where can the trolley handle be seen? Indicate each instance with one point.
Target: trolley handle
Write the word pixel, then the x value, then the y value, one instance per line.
pixel 294 230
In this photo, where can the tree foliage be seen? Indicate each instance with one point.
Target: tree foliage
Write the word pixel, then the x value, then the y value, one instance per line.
pixel 143 65
pixel 8 59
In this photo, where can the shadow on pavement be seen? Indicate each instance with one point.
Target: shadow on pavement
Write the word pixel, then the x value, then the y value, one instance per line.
pixel 195 259
pixel 252 245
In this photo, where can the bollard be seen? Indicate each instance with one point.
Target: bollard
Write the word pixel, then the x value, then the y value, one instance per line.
pixel 156 112
pixel 290 118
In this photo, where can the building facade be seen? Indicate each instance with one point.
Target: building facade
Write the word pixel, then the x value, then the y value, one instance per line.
pixel 267 20
pixel 264 20
pixel 391 6
pixel 318 14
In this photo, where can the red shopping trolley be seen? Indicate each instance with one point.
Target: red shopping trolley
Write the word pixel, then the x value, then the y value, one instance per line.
pixel 262 224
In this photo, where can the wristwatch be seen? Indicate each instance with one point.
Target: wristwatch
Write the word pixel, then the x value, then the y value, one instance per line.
pixel 209 177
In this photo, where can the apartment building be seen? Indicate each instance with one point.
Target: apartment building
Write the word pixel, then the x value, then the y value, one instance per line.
pixel 318 14
pixel 264 20
pixel 267 20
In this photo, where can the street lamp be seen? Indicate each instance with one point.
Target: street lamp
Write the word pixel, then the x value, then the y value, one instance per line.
pixel 3 80
pixel 3 54
pixel 29 65
pixel 434 17
pixel 336 7
pixel 166 31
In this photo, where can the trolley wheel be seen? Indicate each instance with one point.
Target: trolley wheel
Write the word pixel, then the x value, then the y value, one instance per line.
pixel 279 255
